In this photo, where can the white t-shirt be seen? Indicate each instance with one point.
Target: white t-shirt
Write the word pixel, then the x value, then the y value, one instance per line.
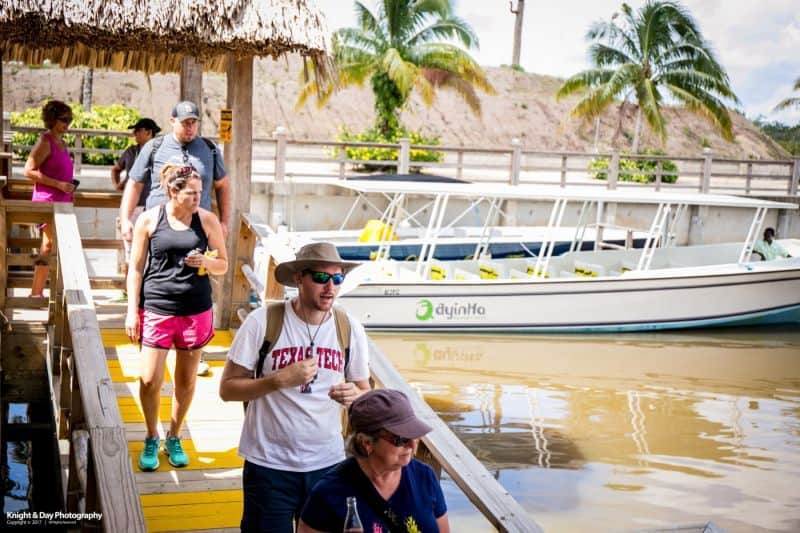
pixel 288 429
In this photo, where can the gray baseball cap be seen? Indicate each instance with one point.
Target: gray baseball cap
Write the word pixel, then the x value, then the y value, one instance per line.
pixel 185 110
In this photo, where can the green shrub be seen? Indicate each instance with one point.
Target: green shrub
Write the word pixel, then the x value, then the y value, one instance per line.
pixel 113 117
pixel 633 169
pixel 372 135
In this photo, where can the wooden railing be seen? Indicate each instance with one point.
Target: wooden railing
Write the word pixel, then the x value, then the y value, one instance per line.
pixel 440 446
pixel 279 158
pixel 100 475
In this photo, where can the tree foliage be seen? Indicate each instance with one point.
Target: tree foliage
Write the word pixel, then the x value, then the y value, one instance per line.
pixel 404 45
pixel 646 55
pixel 112 118
pixel 791 101
pixel 785 135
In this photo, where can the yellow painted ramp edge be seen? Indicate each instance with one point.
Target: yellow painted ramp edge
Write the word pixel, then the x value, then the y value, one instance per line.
pixel 184 511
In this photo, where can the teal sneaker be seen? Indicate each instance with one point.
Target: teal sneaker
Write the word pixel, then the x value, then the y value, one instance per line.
pixel 174 450
pixel 148 461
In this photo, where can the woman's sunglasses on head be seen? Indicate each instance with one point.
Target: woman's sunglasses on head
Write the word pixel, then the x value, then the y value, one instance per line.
pixel 323 277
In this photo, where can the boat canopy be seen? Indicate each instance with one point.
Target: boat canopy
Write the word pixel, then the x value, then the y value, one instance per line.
pixel 505 191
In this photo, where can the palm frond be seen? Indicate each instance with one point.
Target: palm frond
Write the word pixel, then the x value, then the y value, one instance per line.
pixel 401 72
pixel 450 28
pixel 650 104
pixel 707 106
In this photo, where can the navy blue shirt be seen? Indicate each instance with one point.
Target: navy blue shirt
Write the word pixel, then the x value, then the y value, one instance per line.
pixel 418 497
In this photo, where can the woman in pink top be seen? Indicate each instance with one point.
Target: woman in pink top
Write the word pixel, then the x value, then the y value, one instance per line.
pixel 50 167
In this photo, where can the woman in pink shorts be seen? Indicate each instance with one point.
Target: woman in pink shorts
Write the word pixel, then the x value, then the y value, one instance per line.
pixel 49 165
pixel 169 301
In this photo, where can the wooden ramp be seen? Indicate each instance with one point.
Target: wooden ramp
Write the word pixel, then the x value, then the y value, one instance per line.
pixel 206 495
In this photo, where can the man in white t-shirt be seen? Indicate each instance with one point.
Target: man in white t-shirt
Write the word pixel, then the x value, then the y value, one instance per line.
pixel 292 432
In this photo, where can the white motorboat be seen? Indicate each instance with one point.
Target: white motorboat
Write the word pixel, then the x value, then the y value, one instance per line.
pixel 660 286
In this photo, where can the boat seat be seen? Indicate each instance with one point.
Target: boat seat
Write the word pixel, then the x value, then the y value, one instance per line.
pixel 518 274
pixel 462 274
pixel 492 270
pixel 441 270
pixel 591 270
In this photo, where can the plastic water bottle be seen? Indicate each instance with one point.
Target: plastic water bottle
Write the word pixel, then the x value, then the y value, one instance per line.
pixel 352 523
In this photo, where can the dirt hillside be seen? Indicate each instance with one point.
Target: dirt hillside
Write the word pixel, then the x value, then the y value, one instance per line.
pixel 524 107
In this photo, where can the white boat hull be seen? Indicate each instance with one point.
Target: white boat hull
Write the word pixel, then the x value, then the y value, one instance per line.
pixel 754 293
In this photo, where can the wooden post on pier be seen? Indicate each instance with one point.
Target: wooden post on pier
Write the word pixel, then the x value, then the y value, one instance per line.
pixel 238 163
pixel 613 170
pixel 404 157
pixel 192 84
pixel 705 179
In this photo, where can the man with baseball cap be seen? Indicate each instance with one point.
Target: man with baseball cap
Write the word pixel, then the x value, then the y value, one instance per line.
pixel 183 145
pixel 292 433
pixel 144 130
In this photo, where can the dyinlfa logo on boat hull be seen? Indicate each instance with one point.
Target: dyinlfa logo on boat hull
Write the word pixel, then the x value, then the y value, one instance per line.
pixel 426 310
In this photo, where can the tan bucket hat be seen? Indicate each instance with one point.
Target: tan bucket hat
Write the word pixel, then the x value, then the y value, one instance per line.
pixel 306 257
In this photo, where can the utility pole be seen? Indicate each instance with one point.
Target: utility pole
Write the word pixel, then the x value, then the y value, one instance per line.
pixel 517 29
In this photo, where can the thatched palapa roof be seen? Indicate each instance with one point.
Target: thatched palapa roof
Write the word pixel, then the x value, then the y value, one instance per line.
pixel 154 35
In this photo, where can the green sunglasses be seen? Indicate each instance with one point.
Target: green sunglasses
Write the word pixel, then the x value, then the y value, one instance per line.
pixel 323 277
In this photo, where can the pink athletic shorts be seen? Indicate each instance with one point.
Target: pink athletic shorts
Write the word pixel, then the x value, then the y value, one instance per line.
pixel 184 332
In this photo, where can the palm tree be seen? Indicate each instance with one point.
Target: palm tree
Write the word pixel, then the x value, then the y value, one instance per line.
pixel 790 102
pixel 658 49
pixel 399 47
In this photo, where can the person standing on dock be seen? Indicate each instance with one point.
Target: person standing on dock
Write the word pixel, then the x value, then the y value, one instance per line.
pixel 49 165
pixel 295 386
pixel 144 130
pixel 184 144
pixel 169 301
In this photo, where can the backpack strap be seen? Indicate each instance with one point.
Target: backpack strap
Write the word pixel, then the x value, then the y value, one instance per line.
pixel 213 148
pixel 275 313
pixel 157 142
pixel 343 334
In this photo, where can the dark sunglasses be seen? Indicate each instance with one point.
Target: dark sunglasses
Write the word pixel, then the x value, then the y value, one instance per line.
pixel 323 277
pixel 65 120
pixel 391 438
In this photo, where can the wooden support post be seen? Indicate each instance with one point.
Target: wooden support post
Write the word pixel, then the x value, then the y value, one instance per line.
pixel 238 162
pixel 404 157
pixel 516 158
pixel 243 255
pixel 749 178
pixel 2 117
pixel 659 174
pixel 280 137
pixel 563 170
pixel 705 181
pixel 3 249
pixel 78 154
pixel 341 155
pixel 79 462
pixel 460 164
pixel 192 83
pixel 795 177
pixel 613 170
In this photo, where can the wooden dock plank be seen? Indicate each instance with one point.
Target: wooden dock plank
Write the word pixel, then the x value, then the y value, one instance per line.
pixel 192 510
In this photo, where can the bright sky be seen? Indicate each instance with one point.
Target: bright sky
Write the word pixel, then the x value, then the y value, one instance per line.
pixel 758 41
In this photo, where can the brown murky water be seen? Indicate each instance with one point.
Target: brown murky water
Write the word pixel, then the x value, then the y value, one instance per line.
pixel 622 432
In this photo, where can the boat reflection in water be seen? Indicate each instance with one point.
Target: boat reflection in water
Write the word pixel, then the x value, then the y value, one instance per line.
pixel 624 432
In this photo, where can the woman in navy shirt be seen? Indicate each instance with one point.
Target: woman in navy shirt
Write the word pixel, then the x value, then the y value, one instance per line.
pixel 394 492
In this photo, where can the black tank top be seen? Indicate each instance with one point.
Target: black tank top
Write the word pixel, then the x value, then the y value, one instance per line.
pixel 170 287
